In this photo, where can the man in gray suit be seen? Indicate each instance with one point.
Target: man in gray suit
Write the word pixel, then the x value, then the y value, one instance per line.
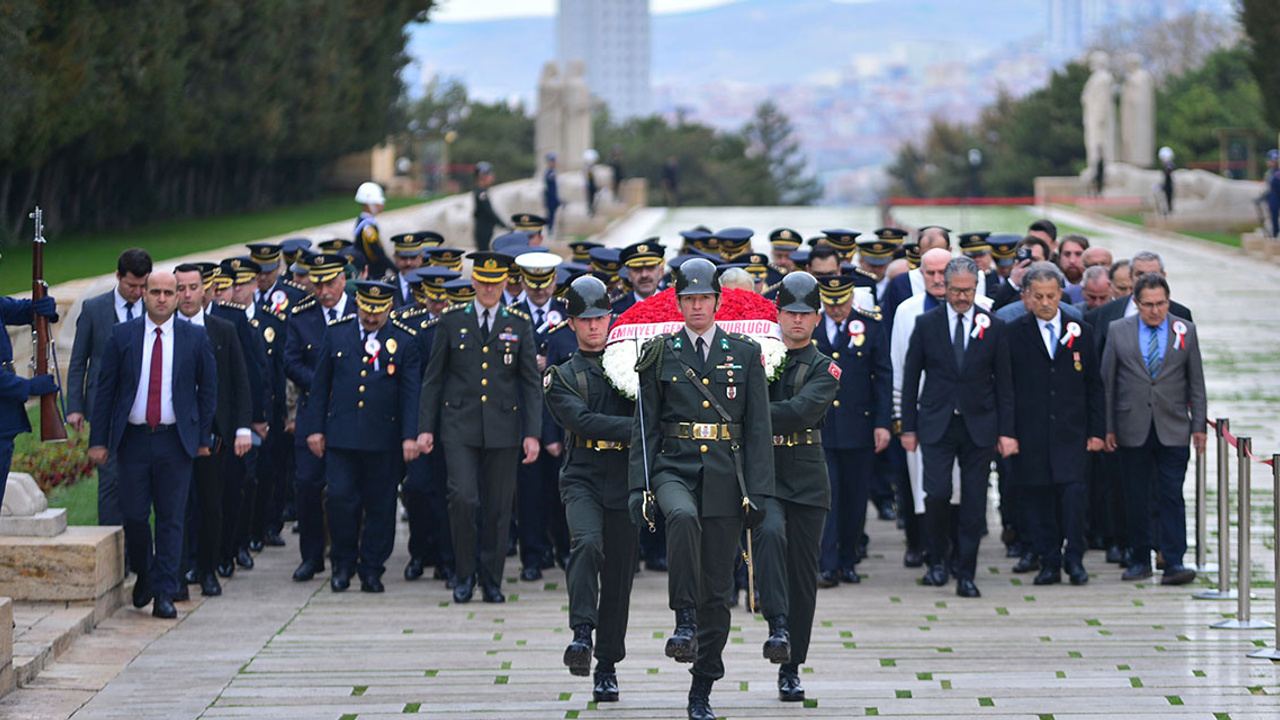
pixel 98 315
pixel 1156 405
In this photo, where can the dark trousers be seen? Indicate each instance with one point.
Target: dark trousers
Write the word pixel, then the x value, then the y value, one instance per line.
pixel 786 553
pixel 653 545
pixel 6 461
pixel 109 492
pixel 913 524
pixel 1057 513
pixel 1106 517
pixel 264 507
pixel 537 504
pixel 601 567
pixel 362 483
pixel 850 473
pixel 238 484
pixel 282 496
pixel 425 501
pixel 481 480
pixel 207 505
pixel 1154 470
pixel 309 493
pixel 881 481
pixel 155 472
pixel 701 554
pixel 1016 512
pixel 975 475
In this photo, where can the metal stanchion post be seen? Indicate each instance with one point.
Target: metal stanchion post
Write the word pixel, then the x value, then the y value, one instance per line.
pixel 1202 516
pixel 1242 621
pixel 1223 591
pixel 1274 652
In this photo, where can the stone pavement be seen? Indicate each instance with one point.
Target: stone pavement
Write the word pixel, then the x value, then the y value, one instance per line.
pixel 271 648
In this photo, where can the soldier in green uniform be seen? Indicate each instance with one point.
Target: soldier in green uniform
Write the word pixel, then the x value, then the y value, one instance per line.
pixel 593 485
pixel 790 538
pixel 702 444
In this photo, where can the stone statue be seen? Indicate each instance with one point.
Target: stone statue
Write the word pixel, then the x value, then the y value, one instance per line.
pixel 1098 99
pixel 1137 114
pixel 577 118
pixel 548 129
pixel 23 497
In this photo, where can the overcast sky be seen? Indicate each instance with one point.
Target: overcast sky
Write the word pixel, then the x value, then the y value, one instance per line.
pixel 465 10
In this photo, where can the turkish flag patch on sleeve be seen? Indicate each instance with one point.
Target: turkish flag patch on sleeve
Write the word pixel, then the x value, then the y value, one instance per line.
pixel 834 369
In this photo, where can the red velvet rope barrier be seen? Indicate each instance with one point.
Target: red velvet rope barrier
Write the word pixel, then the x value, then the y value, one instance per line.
pixel 1234 443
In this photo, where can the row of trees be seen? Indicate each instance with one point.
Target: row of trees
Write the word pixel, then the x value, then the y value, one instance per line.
pixel 1207 78
pixel 116 113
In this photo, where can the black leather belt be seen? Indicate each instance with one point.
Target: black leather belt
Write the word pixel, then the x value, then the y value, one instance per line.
pixel 812 436
pixel 702 431
pixel 601 444
pixel 152 430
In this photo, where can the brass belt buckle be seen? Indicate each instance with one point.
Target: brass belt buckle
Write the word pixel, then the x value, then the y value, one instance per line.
pixel 705 431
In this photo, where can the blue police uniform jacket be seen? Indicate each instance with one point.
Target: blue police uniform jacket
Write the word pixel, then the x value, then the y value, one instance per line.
pixel 865 399
pixel 13 389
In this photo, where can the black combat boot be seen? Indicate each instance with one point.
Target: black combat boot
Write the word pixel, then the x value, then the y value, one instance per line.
pixel 682 646
pixel 789 688
pixel 606 687
pixel 700 699
pixel 777 649
pixel 578 655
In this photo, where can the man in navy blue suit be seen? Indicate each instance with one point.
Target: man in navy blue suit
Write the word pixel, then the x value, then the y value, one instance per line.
pixel 154 407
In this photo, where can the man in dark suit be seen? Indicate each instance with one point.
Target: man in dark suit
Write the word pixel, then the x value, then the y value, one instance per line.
pixel 966 405
pixel 1058 421
pixel 154 407
pixel 98 315
pixel 484 370
pixel 362 420
pixel 230 420
pixel 1154 380
pixel 1144 262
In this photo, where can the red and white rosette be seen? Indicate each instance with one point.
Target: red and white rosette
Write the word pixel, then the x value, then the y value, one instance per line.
pixel 1073 332
pixel 980 324
pixel 1180 334
pixel 740 312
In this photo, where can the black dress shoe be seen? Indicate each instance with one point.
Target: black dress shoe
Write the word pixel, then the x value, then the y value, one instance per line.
pixel 491 593
pixel 1013 551
pixel 244 559
pixel 966 589
pixel 142 590
pixel 530 574
pixel 1076 573
pixel 227 569
pixel 184 593
pixel 577 657
pixel 828 579
pixel 209 585
pixel 1177 575
pixel 1048 576
pixel 308 570
pixel 191 577
pixel 1136 572
pixel 340 581
pixel 414 569
pixel 913 558
pixel 682 646
pixel 886 511
pixel 463 590
pixel 372 585
pixel 851 576
pixel 606 683
pixel 163 608
pixel 256 545
pixel 273 540
pixel 1115 555
pixel 1027 563
pixel 936 576
pixel 656 564
pixel 789 688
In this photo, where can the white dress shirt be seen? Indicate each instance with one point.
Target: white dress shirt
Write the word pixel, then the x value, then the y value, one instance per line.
pixel 138 413
pixel 832 327
pixel 339 308
pixel 120 303
pixel 1051 340
pixel 952 317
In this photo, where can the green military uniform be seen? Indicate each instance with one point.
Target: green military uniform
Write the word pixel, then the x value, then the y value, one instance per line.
pixel 685 449
pixel 593 485
pixel 790 538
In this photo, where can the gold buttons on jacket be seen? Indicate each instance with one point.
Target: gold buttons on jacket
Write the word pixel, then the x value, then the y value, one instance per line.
pixel 360 404
pixel 484 366
pixel 484 349
pixel 835 355
pixel 360 389
pixel 703 448
pixel 484 381
pixel 706 404
pixel 484 398
pixel 363 373
pixel 706 381
pixel 835 403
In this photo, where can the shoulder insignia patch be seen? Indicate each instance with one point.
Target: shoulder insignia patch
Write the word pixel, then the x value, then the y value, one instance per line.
pixel 344 318
pixel 232 305
pixel 396 322
pixel 834 370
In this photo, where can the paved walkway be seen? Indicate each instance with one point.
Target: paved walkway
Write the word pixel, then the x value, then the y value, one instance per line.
pixel 271 648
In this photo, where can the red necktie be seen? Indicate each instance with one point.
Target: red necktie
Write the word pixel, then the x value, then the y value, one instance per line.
pixel 153 383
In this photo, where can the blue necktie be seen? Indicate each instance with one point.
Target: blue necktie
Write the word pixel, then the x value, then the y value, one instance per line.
pixel 128 312
pixel 1053 339
pixel 1153 351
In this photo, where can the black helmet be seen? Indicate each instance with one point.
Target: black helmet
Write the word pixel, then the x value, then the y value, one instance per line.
pixel 799 293
pixel 697 277
pixel 587 297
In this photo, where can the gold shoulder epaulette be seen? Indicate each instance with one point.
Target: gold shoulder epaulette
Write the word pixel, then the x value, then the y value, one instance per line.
pixel 518 313
pixel 295 285
pixel 557 326
pixel 305 303
pixel 874 314
pixel 455 307
pixel 233 305
pixel 344 318
pixel 397 322
pixel 408 312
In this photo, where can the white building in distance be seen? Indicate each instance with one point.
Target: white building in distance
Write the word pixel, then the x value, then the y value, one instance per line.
pixel 612 37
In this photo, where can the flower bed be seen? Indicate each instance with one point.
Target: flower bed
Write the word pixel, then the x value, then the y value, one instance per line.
pixel 740 311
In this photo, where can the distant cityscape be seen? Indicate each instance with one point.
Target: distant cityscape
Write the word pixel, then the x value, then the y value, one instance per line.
pixel 856 79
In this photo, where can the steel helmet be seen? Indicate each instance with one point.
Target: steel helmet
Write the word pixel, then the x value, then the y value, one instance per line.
pixel 587 297
pixel 697 277
pixel 370 193
pixel 799 293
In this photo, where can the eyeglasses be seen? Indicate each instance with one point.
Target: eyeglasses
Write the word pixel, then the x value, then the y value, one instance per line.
pixel 962 291
pixel 1153 305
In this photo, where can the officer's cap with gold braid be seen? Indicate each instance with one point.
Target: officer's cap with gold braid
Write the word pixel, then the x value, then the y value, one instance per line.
pixel 876 251
pixel 582 250
pixel 374 297
pixel 267 255
pixel 241 269
pixel 459 290
pixel 607 261
pixel 733 241
pixel 490 267
pixel 208 271
pixel 408 244
pixel 974 244
pixel 1004 246
pixel 836 290
pixel 842 240
pixel 325 267
pixel 784 239
pixel 756 265
pixel 538 269
pixel 445 257
pixel 646 253
pixel 335 245
pixel 528 222
pixel 291 248
pixel 428 283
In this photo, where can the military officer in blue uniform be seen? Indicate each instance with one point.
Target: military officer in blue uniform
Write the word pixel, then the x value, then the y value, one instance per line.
pixel 366 236
pixel 274 292
pixel 597 421
pixel 481 399
pixel 361 419
pixel 582 250
pixel 307 325
pixel 844 241
pixel 874 256
pixel 732 242
pixel 15 390
pixel 532 226
pixel 643 261
pixel 782 242
pixel 608 261
pixel 408 257
pixel 857 423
